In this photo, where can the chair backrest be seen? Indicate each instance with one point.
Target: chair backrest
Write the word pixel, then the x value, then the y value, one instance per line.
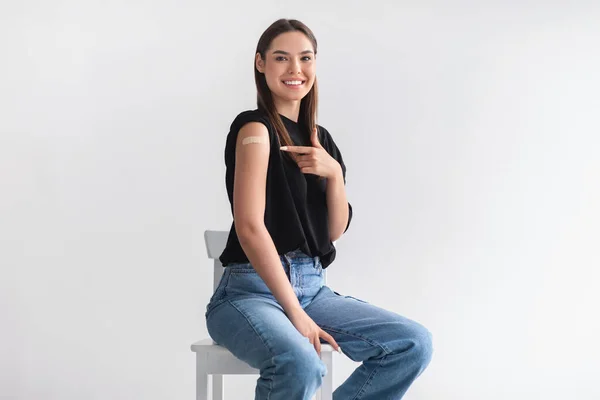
pixel 215 244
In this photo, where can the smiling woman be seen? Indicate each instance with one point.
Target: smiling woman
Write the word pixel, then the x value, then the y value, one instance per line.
pixel 285 74
pixel 286 181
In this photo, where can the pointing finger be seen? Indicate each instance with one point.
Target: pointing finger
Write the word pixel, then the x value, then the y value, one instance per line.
pixel 315 138
pixel 297 149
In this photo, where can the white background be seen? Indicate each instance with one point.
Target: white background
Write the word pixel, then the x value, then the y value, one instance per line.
pixel 470 135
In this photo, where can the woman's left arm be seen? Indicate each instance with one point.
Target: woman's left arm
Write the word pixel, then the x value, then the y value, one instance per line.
pixel 337 205
pixel 327 163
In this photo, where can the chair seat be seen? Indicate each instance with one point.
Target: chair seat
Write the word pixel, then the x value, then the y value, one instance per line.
pixel 220 361
pixel 210 345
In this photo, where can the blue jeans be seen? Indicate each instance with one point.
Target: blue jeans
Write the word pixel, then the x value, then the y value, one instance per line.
pixel 243 316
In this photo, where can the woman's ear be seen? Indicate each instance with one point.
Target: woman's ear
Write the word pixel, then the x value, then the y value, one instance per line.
pixel 260 64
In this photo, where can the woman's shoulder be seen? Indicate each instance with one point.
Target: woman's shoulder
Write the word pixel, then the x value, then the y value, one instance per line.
pixel 246 116
pixel 242 119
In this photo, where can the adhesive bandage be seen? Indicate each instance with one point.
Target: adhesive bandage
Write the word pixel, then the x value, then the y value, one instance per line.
pixel 254 139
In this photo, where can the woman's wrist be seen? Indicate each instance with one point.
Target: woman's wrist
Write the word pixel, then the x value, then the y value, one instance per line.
pixel 293 310
pixel 337 173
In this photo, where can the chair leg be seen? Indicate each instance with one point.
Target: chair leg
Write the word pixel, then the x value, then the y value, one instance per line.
pixel 326 390
pixel 201 377
pixel 218 387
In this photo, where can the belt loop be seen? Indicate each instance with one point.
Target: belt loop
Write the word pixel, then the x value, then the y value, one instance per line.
pixel 288 259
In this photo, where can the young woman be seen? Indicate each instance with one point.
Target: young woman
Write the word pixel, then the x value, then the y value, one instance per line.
pixel 286 183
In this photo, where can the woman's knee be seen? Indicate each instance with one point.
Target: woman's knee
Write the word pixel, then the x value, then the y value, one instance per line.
pixel 414 338
pixel 425 341
pixel 302 364
pixel 422 342
pixel 295 374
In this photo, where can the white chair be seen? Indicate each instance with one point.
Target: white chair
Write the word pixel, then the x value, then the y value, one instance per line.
pixel 215 360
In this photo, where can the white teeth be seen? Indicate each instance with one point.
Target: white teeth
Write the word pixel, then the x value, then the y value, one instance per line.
pixel 293 82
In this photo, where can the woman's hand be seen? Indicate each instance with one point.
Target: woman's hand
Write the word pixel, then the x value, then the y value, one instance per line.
pixel 315 160
pixel 309 329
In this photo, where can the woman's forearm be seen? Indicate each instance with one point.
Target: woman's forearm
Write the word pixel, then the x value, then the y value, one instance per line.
pixel 262 254
pixel 337 205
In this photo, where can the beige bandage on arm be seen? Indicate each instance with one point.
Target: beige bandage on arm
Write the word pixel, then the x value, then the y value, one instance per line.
pixel 254 139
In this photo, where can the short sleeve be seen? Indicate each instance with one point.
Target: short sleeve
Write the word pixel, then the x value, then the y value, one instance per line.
pixel 333 150
pixel 240 120
pixel 248 116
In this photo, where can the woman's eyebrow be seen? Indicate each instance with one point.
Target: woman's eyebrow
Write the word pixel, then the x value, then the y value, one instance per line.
pixel 287 54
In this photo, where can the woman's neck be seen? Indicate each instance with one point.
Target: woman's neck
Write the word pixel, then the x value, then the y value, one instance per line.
pixel 290 110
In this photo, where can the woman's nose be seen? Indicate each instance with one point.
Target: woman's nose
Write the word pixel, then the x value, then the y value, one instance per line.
pixel 294 68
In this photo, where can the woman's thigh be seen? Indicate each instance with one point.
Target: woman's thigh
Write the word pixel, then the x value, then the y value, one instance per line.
pixel 364 330
pixel 256 330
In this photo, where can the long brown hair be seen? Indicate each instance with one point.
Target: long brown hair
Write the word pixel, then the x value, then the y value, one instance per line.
pixel 308 105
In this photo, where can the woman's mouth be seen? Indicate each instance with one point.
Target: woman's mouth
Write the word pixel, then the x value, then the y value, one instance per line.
pixel 294 84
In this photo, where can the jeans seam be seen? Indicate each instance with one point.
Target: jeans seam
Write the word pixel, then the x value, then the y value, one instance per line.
pixel 363 338
pixel 369 379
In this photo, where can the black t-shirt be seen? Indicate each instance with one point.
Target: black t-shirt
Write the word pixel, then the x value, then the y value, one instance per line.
pixel 296 202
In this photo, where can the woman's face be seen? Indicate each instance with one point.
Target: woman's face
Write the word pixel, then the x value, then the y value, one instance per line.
pixel 290 58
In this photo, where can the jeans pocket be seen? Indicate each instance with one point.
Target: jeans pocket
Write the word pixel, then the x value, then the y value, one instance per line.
pixel 357 299
pixel 219 294
pixel 215 302
pixel 351 297
pixel 244 280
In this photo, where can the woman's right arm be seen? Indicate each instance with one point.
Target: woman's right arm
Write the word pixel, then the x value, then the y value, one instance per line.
pixel 249 189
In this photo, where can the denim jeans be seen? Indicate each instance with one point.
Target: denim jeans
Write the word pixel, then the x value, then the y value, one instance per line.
pixel 243 316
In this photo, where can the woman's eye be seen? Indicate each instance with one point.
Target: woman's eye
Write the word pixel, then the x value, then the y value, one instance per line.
pixel 281 58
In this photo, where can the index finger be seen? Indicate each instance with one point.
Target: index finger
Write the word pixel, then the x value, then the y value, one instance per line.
pixel 318 346
pixel 331 341
pixel 297 149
